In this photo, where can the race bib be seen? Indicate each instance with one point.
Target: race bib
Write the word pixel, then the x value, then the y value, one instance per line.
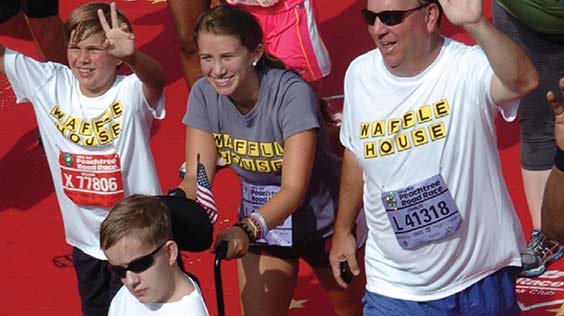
pixel 422 212
pixel 92 180
pixel 253 198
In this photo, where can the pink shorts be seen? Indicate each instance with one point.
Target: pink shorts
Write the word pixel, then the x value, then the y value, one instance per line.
pixel 290 33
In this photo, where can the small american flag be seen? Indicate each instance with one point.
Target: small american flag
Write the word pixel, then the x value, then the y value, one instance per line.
pixel 204 195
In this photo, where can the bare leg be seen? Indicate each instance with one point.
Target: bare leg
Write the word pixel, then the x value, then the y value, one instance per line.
pixel 185 15
pixel 345 302
pixel 266 284
pixel 534 183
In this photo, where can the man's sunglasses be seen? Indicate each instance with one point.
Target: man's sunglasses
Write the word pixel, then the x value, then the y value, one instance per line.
pixel 137 266
pixel 389 18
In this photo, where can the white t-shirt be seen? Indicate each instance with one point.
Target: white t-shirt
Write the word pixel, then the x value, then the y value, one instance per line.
pixel 97 148
pixel 403 130
pixel 125 304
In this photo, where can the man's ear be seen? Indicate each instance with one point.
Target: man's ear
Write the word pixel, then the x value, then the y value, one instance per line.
pixel 172 251
pixel 433 16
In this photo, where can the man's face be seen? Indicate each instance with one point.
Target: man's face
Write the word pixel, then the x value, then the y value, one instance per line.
pixel 155 283
pixel 91 64
pixel 402 44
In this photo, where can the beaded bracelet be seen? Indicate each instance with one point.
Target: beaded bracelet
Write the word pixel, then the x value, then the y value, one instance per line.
pixel 255 225
pixel 246 229
pixel 559 159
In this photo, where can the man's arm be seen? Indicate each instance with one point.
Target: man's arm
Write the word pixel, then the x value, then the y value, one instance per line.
pixel 2 53
pixel 514 74
pixel 343 246
pixel 552 211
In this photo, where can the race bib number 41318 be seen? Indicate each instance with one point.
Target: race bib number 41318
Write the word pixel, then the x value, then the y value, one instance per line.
pixel 422 212
pixel 92 180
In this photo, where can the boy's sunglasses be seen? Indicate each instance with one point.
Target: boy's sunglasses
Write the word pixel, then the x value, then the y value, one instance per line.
pixel 389 18
pixel 137 266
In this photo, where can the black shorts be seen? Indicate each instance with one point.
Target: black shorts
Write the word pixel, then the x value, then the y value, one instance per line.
pixel 536 118
pixel 31 8
pixel 315 253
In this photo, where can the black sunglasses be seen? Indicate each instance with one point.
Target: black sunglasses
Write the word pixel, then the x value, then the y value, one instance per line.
pixel 389 18
pixel 137 266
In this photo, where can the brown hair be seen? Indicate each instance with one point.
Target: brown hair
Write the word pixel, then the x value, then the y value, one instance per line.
pixel 84 20
pixel 235 21
pixel 143 217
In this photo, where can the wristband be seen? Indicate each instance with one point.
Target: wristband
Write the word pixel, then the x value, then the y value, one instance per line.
pixel 559 159
pixel 256 217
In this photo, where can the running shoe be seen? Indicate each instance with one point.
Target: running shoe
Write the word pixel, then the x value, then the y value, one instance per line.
pixel 540 252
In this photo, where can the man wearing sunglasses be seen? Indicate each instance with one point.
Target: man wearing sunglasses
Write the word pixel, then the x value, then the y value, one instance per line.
pixel 421 156
pixel 137 239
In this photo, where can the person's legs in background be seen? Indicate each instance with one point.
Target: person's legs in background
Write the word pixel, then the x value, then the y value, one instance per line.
pixel 536 121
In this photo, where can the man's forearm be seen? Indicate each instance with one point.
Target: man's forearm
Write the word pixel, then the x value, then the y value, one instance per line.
pixel 509 62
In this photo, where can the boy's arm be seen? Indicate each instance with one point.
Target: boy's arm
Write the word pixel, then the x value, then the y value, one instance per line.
pixel 121 45
pixel 150 73
pixel 2 52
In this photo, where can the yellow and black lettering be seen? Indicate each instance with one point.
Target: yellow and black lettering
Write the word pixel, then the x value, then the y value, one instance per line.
pixel 276 165
pixel 117 109
pixel 74 138
pixel 402 142
pixel 424 114
pixel 72 123
pixel 228 141
pixel 219 140
pixel 441 108
pixel 267 150
pixel 226 155
pixel 240 146
pixel 370 150
pixel 253 149
pixel 263 166
pixel 248 164
pixel 408 120
pixel 57 113
pixel 278 149
pixel 364 128
pixel 104 137
pixel 378 128
pixel 419 136
pixel 90 141
pixel 85 128
pixel 437 131
pixel 393 126
pixel 115 128
pixel 386 147
pixel 61 128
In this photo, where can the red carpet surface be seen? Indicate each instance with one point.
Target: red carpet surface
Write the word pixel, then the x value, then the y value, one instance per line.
pixel 36 274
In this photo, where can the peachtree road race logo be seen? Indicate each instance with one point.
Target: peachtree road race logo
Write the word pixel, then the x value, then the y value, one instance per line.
pixel 543 295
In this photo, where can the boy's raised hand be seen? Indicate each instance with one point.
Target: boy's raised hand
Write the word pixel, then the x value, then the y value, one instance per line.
pixel 119 40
